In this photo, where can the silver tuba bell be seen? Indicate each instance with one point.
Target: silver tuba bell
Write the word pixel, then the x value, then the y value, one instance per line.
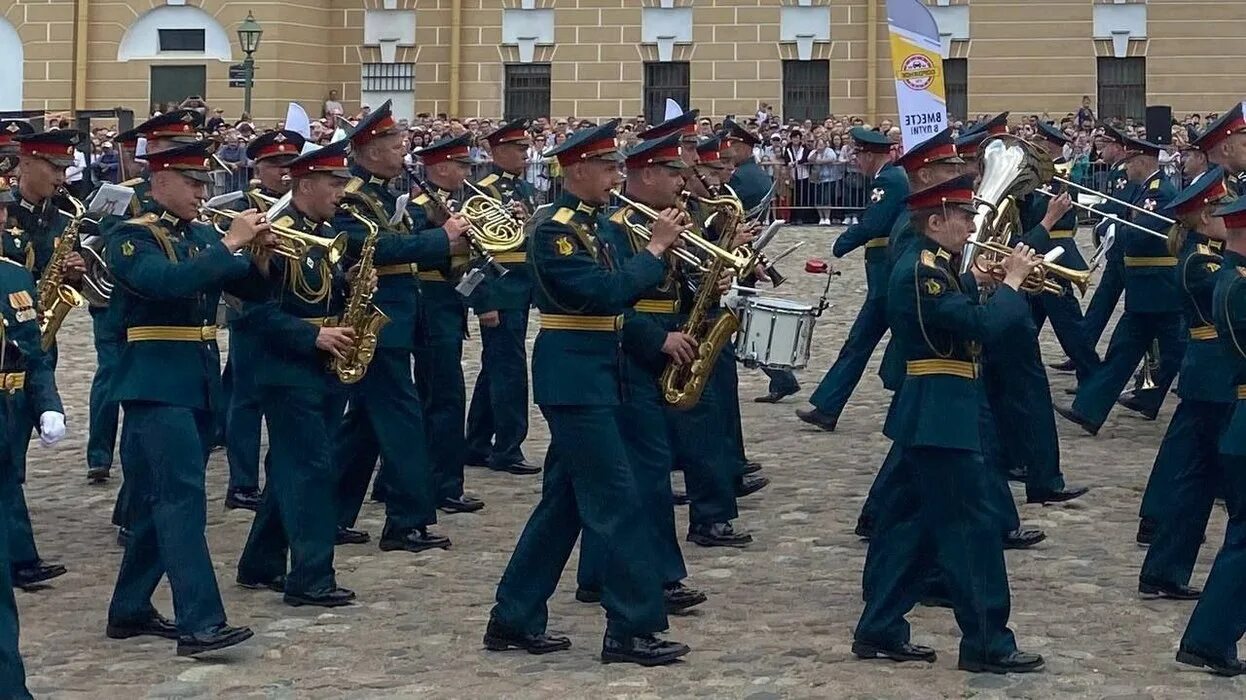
pixel 1011 169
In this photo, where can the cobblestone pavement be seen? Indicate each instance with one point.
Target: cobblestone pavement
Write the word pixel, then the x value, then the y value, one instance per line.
pixel 778 622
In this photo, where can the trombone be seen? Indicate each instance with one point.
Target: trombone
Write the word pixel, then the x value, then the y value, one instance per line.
pixel 291 243
pixel 739 261
pixel 1040 279
pixel 1111 217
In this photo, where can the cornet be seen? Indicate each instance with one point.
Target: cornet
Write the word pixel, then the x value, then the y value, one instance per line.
pixel 291 243
pixel 736 260
pixel 1040 279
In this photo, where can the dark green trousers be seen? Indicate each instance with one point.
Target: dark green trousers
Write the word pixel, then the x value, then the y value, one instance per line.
pixel 1219 619
pixel 15 421
pixel 12 672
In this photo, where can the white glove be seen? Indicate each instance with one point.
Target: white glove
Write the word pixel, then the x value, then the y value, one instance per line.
pixel 51 428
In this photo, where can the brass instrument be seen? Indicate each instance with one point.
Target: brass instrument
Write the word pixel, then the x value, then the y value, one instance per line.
pixel 291 243
pixel 493 229
pixel 55 298
pixel 737 260
pixel 1110 217
pixel 993 253
pixel 729 207
pixel 360 313
pixel 1011 169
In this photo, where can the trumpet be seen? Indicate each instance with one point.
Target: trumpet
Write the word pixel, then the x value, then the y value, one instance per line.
pixel 291 243
pixel 731 209
pixel 737 260
pixel 1038 281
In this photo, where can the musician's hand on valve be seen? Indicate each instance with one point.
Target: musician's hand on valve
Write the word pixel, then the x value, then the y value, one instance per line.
pixel 1056 209
pixel 518 210
pixel 75 266
pixel 680 347
pixel 489 319
pixel 725 280
pixel 665 231
pixel 353 274
pixel 1019 265
pixel 455 227
pixel 244 229
pixel 335 340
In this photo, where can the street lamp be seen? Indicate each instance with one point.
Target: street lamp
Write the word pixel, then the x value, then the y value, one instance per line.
pixel 249 34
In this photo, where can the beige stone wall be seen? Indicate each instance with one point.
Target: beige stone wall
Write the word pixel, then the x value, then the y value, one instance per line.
pixel 1024 56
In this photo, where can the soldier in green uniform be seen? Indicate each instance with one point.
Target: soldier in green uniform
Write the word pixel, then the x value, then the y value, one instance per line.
pixel 1193 159
pixel 1216 626
pixel 384 415
pixel 271 153
pixel 295 336
pixel 169 273
pixel 439 335
pixel 651 339
pixel 1152 302
pixel 1187 474
pixel 589 484
pixel 1224 143
pixel 34 223
pixel 497 418
pixel 939 507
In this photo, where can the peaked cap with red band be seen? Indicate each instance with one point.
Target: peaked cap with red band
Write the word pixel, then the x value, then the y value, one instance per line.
pixel 957 192
pixel 194 160
pixel 180 125
pixel 276 144
pixel 10 129
pixel 1208 188
pixel 734 132
pixel 585 144
pixel 940 148
pixel 379 122
pixel 511 132
pixel 664 151
pixel 968 144
pixel 452 148
pixel 997 124
pixel 1234 213
pixel 1229 123
pixel 56 147
pixel 333 159
pixel 710 150
pixel 684 125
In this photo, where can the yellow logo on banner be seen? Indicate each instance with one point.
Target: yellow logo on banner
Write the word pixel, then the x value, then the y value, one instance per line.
pixel 917 67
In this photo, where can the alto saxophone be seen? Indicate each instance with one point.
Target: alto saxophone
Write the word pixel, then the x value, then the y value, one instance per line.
pixel 682 385
pixel 360 313
pixel 55 297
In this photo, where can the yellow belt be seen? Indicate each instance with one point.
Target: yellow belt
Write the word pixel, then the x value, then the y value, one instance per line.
pixel 1061 233
pixel 1150 262
pixel 657 306
pixel 955 368
pixel 880 242
pixel 194 334
pixel 322 321
pixel 517 256
pixel 431 276
pixel 403 269
pixel 1241 392
pixel 1203 333
pixel 12 381
pixel 567 322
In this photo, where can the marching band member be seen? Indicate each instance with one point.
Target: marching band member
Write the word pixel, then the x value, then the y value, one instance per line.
pixel 439 339
pixel 890 187
pixel 34 224
pixel 384 415
pixel 1187 474
pixel 1152 302
pixel 497 418
pixel 1215 627
pixel 589 483
pixel 1193 159
pixel 271 153
pixel 940 496
pixel 651 339
pixel 293 335
pixel 169 272
pixel 1224 142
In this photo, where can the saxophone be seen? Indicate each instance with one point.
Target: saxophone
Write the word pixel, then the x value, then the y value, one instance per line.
pixel 360 313
pixel 55 297
pixel 682 385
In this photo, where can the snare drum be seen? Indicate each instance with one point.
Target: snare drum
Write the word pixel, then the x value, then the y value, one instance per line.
pixel 775 333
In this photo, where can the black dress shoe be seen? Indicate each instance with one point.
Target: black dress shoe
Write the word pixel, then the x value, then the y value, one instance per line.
pixel 498 637
pixel 717 535
pixel 1066 366
pixel 521 467
pixel 35 573
pixel 1068 413
pixel 747 485
pixel 1149 590
pixel 98 475
pixel 332 598
pixel 775 396
pixel 1016 662
pixel 1023 538
pixel 1146 532
pixel 587 595
pixel 904 652
pixel 346 535
pixel 460 504
pixel 276 584
pixel 680 498
pixel 414 540
pixel 1068 493
pixel 1220 667
pixel 817 418
pixel 679 597
pixel 643 649
pixel 750 467
pixel 218 637
pixel 247 500
pixel 123 537
pixel 1134 403
pixel 864 528
pixel 156 625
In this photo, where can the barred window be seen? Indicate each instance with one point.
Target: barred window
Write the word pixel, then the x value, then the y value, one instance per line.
pixel 1122 88
pixel 806 90
pixel 956 86
pixel 663 81
pixel 388 77
pixel 181 39
pixel 527 91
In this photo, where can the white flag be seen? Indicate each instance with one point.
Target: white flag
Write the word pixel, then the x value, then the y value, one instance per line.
pixel 672 109
pixel 297 120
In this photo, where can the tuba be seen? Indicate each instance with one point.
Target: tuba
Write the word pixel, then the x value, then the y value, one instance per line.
pixel 1011 169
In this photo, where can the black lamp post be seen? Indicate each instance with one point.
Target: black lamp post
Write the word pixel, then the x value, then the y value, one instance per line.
pixel 249 34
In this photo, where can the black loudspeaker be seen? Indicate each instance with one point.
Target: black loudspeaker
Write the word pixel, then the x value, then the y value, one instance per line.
pixel 1159 125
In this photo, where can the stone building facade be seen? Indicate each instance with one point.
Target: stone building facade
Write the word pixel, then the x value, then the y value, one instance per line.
pixel 600 58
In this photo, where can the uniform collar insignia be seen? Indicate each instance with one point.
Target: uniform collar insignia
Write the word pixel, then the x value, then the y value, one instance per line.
pixel 374 180
pixel 585 208
pixel 26 204
pixel 508 175
pixel 168 217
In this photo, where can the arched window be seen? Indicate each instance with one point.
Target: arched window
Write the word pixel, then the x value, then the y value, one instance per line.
pixel 11 56
pixel 177 32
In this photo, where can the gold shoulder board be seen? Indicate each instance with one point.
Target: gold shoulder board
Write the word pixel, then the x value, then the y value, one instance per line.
pixel 928 259
pixel 354 184
pixel 421 200
pixel 619 216
pixel 286 221
pixel 1203 249
pixel 488 180
pixel 145 220
pixel 563 215
pixel 1155 184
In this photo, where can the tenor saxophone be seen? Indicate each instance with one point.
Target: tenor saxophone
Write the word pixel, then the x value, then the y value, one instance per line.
pixel 360 313
pixel 55 297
